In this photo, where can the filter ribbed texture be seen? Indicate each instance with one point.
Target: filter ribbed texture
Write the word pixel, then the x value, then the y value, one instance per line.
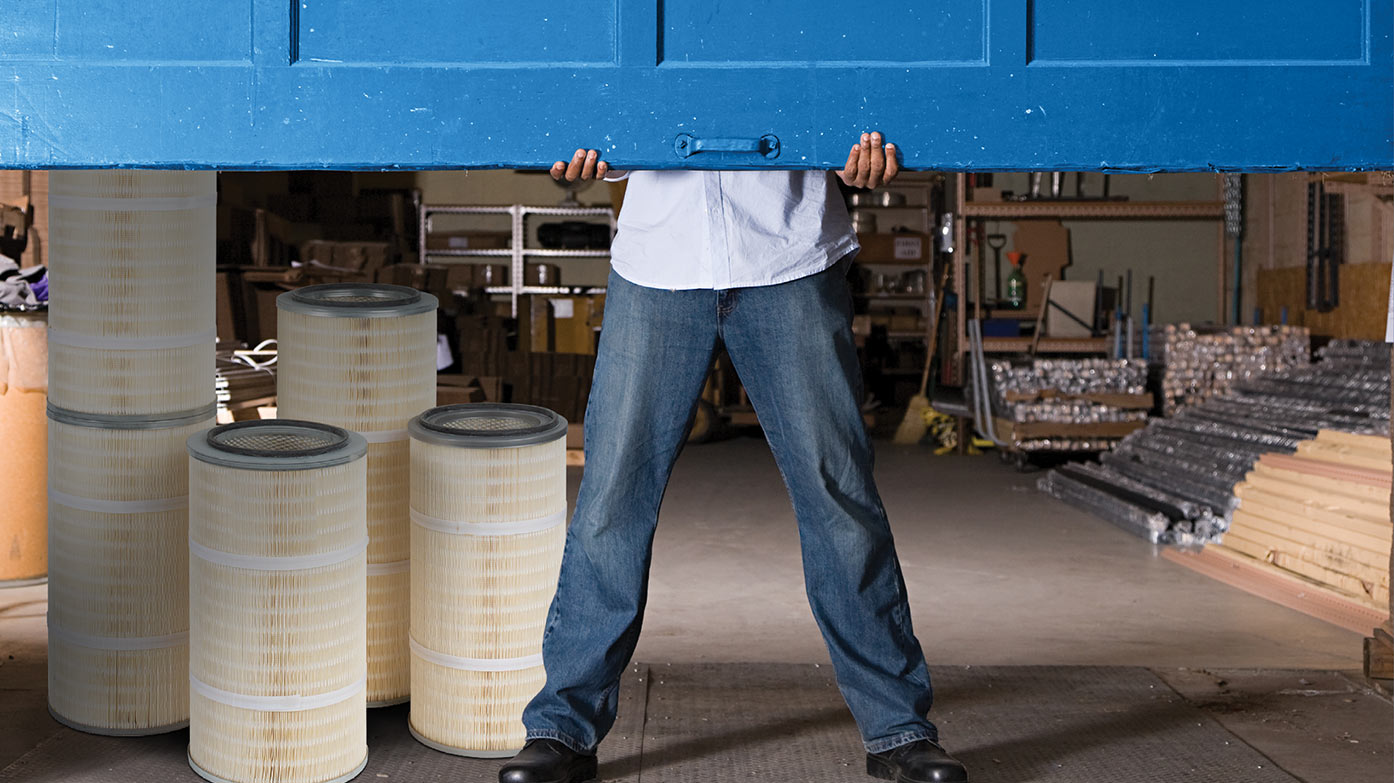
pixel 119 691
pixel 131 274
pixel 118 575
pixel 482 596
pixel 123 383
pixel 472 711
pixel 363 374
pixel 264 633
pixel 389 623
pixel 368 375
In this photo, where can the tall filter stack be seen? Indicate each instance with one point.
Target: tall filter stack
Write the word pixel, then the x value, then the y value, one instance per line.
pixel 363 357
pixel 277 586
pixel 488 512
pixel 130 361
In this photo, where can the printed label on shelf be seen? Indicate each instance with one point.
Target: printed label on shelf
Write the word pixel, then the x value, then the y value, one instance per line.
pixel 907 249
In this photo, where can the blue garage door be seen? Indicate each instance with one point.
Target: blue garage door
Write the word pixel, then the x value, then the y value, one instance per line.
pixel 958 84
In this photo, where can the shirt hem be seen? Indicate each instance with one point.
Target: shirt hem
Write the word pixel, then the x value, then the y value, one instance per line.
pixel 830 257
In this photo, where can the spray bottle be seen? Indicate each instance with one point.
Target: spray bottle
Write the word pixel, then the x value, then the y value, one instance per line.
pixel 1016 283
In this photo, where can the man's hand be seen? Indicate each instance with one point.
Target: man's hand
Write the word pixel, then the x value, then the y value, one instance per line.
pixel 868 166
pixel 584 165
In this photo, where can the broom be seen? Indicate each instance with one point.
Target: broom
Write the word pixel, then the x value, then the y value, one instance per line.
pixel 912 427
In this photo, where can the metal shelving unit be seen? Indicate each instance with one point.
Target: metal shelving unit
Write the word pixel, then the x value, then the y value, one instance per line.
pixel 923 190
pixel 518 253
pixel 966 210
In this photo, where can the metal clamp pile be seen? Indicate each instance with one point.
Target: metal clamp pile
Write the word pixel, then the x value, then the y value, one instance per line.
pixel 1051 390
pixel 1197 364
pixel 1173 482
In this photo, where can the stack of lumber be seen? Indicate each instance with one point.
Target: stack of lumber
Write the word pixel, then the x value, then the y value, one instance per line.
pixel 1321 514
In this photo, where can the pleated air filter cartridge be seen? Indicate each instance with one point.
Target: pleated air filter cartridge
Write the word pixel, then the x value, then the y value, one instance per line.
pixel 132 280
pixel 363 357
pixel 488 511
pixel 118 592
pixel 277 587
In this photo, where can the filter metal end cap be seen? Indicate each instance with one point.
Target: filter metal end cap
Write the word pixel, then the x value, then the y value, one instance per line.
pixel 488 425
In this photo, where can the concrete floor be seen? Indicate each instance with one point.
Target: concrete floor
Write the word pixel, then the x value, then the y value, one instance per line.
pixel 997 574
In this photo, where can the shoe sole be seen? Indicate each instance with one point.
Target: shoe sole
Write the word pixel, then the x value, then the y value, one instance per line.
pixel 884 770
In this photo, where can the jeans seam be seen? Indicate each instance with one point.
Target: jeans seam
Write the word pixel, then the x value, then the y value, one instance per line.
pixel 569 741
pixel 887 744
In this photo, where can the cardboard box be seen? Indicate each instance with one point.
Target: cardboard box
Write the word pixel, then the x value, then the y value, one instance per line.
pixel 907 247
pixel 576 321
pixel 227 309
pixel 1077 298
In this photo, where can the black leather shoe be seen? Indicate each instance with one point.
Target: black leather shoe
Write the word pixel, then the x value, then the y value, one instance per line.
pixel 917 762
pixel 548 761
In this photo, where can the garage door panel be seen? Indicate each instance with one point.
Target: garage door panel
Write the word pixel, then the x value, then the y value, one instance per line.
pixel 1273 32
pixel 302 102
pixel 797 31
pixel 456 32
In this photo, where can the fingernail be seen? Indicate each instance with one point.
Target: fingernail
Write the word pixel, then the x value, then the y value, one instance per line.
pixel 890 146
pixel 580 153
pixel 875 137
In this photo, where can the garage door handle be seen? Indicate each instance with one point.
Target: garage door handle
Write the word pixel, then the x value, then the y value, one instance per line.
pixel 687 145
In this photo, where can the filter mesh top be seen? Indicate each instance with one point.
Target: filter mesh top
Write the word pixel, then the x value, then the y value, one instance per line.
pixel 356 300
pixel 277 445
pixel 488 425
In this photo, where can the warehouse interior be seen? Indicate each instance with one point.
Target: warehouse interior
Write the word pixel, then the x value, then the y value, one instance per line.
pixel 658 392
pixel 1009 586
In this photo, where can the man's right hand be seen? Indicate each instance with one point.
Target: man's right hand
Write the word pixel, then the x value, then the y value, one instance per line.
pixel 585 164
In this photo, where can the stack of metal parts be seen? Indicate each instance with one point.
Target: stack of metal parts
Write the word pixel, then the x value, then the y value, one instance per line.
pixel 1067 392
pixel 1355 353
pixel 1173 482
pixel 1193 365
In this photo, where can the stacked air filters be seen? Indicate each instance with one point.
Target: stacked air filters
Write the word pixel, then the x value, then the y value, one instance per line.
pixel 488 511
pixel 23 460
pixel 277 584
pixel 131 358
pixel 363 357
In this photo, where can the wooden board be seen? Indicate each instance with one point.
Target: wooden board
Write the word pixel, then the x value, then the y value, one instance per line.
pixel 1360 509
pixel 1273 584
pixel 1317 522
pixel 1338 556
pixel 1343 455
pixel 1375 443
pixel 1358 483
pixel 1364 300
pixel 1019 431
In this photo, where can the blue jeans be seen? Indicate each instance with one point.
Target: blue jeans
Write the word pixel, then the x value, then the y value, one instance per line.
pixel 792 346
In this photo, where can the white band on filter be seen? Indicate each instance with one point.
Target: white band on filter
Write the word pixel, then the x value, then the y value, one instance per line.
pixel 385 436
pixel 97 506
pixel 74 340
pixel 387 569
pixel 475 664
pixel 115 204
pixel 117 643
pixel 292 703
pixel 282 563
pixel 488 528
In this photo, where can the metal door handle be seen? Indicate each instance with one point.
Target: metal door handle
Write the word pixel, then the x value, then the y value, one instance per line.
pixel 687 145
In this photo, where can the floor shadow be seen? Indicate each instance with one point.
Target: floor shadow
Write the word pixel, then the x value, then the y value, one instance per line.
pixel 725 742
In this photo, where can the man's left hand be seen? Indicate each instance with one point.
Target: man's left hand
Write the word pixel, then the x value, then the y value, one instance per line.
pixel 870 164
